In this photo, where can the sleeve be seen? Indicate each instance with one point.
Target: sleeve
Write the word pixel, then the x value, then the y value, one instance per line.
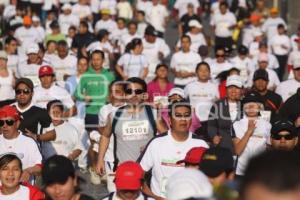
pixel 145 63
pixel 67 99
pixel 147 158
pixel 35 154
pixel 186 92
pixel 77 142
pixel 79 92
pixel 173 62
pixel 121 60
pixel 165 49
pixel 103 114
pixel 45 119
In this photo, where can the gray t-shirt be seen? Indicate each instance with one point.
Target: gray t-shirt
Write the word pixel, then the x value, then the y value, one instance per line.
pixel 132 132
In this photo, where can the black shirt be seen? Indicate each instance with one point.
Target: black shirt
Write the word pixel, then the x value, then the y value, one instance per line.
pixel 272 102
pixel 34 117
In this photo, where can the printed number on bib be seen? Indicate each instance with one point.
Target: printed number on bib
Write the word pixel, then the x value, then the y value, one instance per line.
pixel 135 130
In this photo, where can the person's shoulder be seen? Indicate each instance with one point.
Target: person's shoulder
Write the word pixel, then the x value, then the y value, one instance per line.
pixel 26 140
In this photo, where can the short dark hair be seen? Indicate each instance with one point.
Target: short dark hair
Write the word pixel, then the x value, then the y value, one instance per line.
pixel 276 170
pixel 280 26
pixel 97 52
pixel 83 57
pixel 55 102
pixel 85 24
pixel 7 158
pixel 224 3
pixel 139 81
pixel 176 104
pixel 9 39
pixel 141 12
pixel 132 23
pixel 185 36
pixel 49 42
pixel 202 63
pixel 62 43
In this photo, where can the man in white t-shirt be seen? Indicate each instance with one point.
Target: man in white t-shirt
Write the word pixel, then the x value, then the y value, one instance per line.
pixel 223 24
pixel 106 22
pixel 157 15
pixel 48 91
pixel 163 152
pixel 181 6
pixel 293 56
pixel 183 63
pixel 11 140
pixel 64 63
pixel 289 87
pixel 67 19
pixel 155 49
pixel 82 9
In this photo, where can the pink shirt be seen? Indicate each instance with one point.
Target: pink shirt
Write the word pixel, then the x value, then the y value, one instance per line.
pixel 155 90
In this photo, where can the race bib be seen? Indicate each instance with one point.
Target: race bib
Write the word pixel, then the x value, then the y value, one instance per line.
pixel 135 130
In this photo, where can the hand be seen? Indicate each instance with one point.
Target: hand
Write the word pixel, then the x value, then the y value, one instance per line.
pixel 66 76
pixel 30 134
pixel 184 74
pixel 251 125
pixel 25 176
pixel 100 167
pixel 297 122
pixel 160 55
pixel 125 78
pixel 216 140
pixel 87 99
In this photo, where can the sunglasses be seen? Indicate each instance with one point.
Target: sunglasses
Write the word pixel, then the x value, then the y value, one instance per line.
pixel 9 122
pixel 136 91
pixel 218 55
pixel 25 91
pixel 286 137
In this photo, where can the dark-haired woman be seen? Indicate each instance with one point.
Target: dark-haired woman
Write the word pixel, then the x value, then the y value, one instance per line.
pixel 11 187
pixel 133 63
pixel 160 86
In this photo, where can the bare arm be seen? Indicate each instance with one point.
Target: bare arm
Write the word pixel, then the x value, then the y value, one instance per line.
pixel 240 144
pixel 121 72
pixel 74 154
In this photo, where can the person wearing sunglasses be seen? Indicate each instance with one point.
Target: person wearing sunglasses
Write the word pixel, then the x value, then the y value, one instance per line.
pixel 132 126
pixel 12 140
pixel 220 63
pixel 284 135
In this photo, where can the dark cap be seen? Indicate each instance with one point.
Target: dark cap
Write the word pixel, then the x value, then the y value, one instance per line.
pixel 57 169
pixel 26 81
pixel 283 125
pixel 215 161
pixel 252 97
pixel 261 74
pixel 54 24
pixel 150 30
pixel 243 50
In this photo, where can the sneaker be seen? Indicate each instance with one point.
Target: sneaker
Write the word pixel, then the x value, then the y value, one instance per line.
pixel 94 177
pixel 83 170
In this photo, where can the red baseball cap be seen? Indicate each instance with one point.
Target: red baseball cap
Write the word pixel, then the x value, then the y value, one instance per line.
pixel 193 156
pixel 129 176
pixel 46 71
pixel 9 111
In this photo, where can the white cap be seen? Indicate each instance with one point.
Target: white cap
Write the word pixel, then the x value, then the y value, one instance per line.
pixel 35 19
pixel 32 48
pixel 66 6
pixel 195 23
pixel 234 80
pixel 188 183
pixel 177 91
pixel 296 63
pixel 3 55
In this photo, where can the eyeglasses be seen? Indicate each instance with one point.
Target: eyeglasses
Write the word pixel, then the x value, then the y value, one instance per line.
pixel 136 91
pixel 219 55
pixel 9 122
pixel 286 137
pixel 24 91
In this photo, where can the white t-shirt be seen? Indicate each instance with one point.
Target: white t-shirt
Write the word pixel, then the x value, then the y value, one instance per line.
pixel 124 10
pixel 30 71
pixel 181 6
pixel 294 43
pixel 161 156
pixel 110 25
pixel 222 24
pixel 272 61
pixel 25 147
pixel 245 66
pixel 185 61
pixel 81 11
pixel 293 56
pixel 143 5
pixel 151 51
pixel 270 26
pixel 233 110
pixel 66 141
pixel 216 68
pixel 65 21
pixel 6 86
pixel 22 193
pixel 202 96
pixel 277 42
pixel 287 88
pixel 42 96
pixel 133 65
pixel 256 144
pixel 196 41
pixel 64 66
pixel 26 36
pixel 125 39
pixel 156 15
pixel 12 63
